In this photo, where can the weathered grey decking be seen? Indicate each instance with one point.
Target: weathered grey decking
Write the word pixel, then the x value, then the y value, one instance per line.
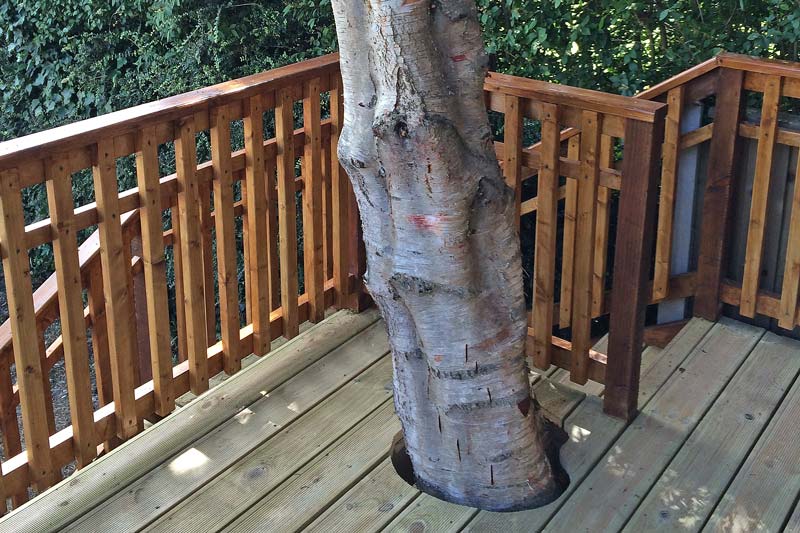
pixel 299 440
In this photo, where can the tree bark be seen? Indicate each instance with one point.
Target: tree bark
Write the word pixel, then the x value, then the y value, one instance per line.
pixel 443 255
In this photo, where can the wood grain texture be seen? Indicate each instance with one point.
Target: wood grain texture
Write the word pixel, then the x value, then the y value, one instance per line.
pixel 225 225
pixel 584 246
pixel 690 487
pixel 601 236
pixel 615 487
pixel 189 205
pixel 258 243
pixel 632 253
pixel 666 201
pixel 286 212
pixel 568 245
pixel 718 195
pixel 791 273
pixel 119 304
pixel 70 304
pixel 313 237
pixel 155 271
pixel 512 150
pixel 546 228
pixel 16 269
pixel 340 199
pixel 758 207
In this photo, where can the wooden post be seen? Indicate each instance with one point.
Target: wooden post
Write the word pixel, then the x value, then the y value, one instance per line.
pixel 226 239
pixel 632 256
pixel 312 202
pixel 24 331
pixel 70 305
pixel 284 131
pixel 512 150
pixel 258 243
pixel 192 256
pixel 155 275
pixel 767 133
pixel 591 126
pixel 546 227
pixel 340 200
pixel 568 246
pixel 719 193
pixel 115 287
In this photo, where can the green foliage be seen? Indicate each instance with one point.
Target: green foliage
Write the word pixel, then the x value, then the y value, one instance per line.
pixel 66 60
pixel 624 46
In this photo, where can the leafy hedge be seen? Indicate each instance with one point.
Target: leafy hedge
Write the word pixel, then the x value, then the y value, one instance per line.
pixel 70 59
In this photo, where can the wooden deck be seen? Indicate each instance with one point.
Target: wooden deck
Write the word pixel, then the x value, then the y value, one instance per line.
pixel 299 440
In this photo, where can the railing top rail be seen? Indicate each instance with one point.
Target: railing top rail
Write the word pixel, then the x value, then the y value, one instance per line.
pixel 610 104
pixel 118 122
pixel 786 69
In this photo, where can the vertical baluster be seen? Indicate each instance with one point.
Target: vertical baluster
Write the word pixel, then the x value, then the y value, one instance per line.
pixel 100 349
pixel 226 239
pixel 284 131
pixel 584 246
pixel 155 275
pixel 512 153
pixel 767 133
pixel 568 246
pixel 327 240
pixel 546 227
pixel 248 296
pixel 312 202
pixel 206 248
pixel 24 331
pixel 180 300
pixel 669 180
pixel 601 230
pixel 9 427
pixel 787 314
pixel 115 287
pixel 340 200
pixel 258 244
pixel 70 305
pixel 192 256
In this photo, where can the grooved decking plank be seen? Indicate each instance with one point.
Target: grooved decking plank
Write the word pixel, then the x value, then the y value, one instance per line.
pixel 766 487
pixel 614 488
pixel 688 490
pixel 108 475
pixel 592 433
pixel 302 498
pixel 793 525
pixel 163 488
pixel 278 460
pixel 369 505
pixel 428 513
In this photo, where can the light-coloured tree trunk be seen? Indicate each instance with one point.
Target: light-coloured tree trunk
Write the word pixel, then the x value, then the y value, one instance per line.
pixel 443 254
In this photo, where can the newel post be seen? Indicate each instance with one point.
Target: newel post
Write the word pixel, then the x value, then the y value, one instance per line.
pixel 632 259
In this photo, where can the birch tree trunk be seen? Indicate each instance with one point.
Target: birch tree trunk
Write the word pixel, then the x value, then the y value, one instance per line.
pixel 443 255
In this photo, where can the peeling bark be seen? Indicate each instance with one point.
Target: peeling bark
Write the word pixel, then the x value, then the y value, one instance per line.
pixel 443 257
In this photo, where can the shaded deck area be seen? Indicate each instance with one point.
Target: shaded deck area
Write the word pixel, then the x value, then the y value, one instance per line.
pixel 299 440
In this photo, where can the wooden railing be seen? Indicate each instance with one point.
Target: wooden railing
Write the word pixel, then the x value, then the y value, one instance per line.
pixel 122 269
pixel 733 79
pixel 579 132
pixel 595 170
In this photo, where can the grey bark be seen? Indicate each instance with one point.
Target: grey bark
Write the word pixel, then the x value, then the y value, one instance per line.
pixel 443 257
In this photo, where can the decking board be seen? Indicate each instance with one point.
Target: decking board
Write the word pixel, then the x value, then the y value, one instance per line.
pixel 74 497
pixel 690 487
pixel 611 492
pixel 326 467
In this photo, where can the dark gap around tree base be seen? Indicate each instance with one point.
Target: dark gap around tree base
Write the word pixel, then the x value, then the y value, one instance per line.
pixel 554 438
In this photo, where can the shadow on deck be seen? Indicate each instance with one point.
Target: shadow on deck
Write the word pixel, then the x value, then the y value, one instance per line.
pixel 300 440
